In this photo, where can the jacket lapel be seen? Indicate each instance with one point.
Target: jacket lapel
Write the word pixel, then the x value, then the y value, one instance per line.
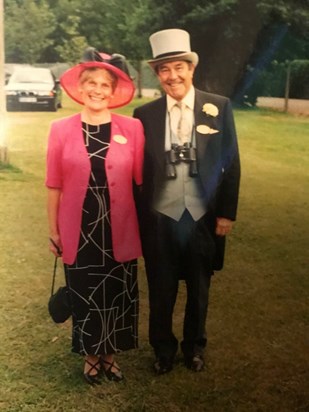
pixel 200 119
pixel 75 130
pixel 157 141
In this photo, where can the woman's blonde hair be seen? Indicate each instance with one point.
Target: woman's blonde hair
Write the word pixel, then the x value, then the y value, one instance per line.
pixel 85 74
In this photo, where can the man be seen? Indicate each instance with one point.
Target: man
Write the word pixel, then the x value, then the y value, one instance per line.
pixel 189 197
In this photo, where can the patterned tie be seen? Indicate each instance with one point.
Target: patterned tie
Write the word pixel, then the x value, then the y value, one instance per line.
pixel 183 128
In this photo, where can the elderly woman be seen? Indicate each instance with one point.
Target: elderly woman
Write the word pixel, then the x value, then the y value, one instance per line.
pixel 94 159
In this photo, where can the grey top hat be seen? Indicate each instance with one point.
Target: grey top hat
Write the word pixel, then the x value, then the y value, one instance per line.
pixel 169 45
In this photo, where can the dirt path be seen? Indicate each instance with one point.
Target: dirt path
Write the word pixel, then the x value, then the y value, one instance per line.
pixel 295 106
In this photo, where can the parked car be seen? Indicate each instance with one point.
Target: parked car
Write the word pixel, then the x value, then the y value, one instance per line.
pixel 33 88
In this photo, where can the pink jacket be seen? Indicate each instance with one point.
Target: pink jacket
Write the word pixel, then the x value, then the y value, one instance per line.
pixel 68 169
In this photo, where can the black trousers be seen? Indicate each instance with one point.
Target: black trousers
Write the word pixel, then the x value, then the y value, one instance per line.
pixel 173 251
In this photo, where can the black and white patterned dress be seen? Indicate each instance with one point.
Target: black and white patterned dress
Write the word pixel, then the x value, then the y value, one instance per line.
pixel 104 292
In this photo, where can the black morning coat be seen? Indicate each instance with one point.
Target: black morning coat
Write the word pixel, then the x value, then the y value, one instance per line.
pixel 217 161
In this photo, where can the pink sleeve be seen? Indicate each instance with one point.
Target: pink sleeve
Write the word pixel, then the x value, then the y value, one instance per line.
pixel 139 153
pixel 54 159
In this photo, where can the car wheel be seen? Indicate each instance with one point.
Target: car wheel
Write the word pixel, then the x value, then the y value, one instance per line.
pixel 53 107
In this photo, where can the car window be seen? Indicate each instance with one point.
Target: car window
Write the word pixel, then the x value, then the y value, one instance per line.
pixel 31 76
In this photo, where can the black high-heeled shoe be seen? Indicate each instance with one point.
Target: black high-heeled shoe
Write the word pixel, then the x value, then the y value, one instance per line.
pixel 115 376
pixel 92 379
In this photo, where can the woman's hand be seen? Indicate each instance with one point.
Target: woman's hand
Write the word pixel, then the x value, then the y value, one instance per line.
pixel 55 245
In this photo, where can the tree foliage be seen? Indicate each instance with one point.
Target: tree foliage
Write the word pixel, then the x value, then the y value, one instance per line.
pixel 28 26
pixel 68 40
pixel 229 35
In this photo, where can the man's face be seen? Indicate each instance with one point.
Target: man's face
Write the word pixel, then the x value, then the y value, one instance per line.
pixel 176 78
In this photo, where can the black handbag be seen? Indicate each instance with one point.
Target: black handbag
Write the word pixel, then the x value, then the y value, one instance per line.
pixel 59 306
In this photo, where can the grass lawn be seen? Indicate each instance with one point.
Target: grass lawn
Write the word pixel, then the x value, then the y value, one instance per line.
pixel 257 357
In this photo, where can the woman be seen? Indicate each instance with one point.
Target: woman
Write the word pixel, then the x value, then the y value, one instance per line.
pixel 93 159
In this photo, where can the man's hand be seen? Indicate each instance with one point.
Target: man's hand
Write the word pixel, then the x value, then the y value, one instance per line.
pixel 224 226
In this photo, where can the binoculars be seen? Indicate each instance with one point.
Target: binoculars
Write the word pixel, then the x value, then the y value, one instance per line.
pixel 185 153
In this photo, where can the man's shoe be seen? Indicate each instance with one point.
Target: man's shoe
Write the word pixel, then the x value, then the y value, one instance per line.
pixel 195 363
pixel 163 365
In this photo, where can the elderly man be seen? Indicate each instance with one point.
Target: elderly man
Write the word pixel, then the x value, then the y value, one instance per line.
pixel 189 197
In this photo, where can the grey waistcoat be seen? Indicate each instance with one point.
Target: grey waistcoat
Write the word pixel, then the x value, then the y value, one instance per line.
pixel 184 192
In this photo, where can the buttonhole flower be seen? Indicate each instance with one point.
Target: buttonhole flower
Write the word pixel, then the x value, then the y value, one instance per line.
pixel 210 109
pixel 203 129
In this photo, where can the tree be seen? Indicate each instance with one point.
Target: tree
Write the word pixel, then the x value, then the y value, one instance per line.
pixel 231 37
pixel 131 36
pixel 228 34
pixel 28 26
pixel 121 26
pixel 280 21
pixel 68 39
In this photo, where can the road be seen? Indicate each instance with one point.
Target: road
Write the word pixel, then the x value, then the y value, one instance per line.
pixel 295 106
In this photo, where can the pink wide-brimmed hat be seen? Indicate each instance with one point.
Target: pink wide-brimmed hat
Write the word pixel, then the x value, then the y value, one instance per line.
pixel 115 63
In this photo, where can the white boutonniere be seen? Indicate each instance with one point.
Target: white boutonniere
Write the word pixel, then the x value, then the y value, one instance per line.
pixel 210 109
pixel 203 129
pixel 120 139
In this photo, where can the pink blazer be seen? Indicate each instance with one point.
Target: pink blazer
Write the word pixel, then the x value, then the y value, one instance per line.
pixel 68 169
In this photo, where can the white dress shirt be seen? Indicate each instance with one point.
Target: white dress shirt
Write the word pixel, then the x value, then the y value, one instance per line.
pixel 173 116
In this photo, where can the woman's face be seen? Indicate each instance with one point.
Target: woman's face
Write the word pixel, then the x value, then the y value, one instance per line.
pixel 96 88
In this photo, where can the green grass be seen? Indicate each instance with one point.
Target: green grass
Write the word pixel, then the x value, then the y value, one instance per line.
pixel 257 357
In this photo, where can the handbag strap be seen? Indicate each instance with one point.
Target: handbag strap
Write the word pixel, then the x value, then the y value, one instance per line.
pixel 54 277
pixel 55 265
